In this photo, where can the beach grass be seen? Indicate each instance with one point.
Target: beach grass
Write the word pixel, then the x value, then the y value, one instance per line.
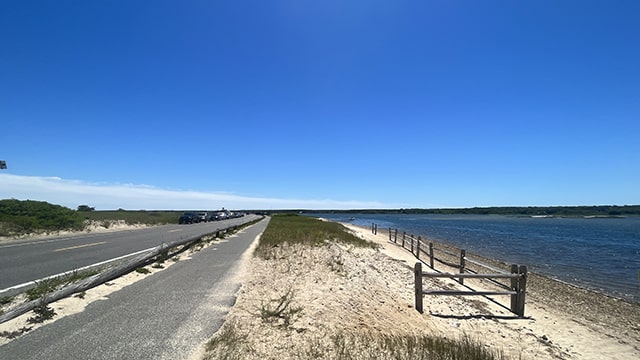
pixel 292 229
pixel 231 342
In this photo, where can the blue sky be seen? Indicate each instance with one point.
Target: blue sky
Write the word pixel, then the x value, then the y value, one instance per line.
pixel 320 104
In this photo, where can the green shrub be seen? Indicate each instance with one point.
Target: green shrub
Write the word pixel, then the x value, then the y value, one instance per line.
pixel 21 217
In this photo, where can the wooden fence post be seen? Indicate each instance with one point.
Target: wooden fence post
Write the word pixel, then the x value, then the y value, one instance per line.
pixel 522 287
pixel 462 265
pixel 389 233
pixel 418 248
pixel 412 239
pixel 431 255
pixel 403 238
pixel 396 236
pixel 514 287
pixel 418 286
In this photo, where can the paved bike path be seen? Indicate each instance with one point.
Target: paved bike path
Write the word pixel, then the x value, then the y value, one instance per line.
pixel 164 316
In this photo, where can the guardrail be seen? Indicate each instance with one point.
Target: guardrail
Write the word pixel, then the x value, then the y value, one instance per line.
pixel 110 274
pixel 466 267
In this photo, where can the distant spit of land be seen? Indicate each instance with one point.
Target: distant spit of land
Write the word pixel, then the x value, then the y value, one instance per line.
pixel 596 210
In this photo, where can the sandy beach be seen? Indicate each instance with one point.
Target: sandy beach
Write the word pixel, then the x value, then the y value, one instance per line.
pixel 353 290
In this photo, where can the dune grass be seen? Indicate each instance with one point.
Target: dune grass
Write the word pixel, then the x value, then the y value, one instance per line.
pixel 232 343
pixel 294 229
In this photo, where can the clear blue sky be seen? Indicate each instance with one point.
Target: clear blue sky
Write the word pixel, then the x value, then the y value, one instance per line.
pixel 320 104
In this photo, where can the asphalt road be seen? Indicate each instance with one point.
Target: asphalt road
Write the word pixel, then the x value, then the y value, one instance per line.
pixel 166 315
pixel 27 260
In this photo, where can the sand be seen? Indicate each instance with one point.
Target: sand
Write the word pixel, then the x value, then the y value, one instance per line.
pixel 348 290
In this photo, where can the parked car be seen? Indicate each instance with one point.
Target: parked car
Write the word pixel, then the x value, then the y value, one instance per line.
pixel 202 216
pixel 188 218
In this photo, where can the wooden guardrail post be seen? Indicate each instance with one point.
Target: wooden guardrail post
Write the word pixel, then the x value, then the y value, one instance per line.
pixel 418 286
pixel 463 253
pixel 418 248
pixel 431 255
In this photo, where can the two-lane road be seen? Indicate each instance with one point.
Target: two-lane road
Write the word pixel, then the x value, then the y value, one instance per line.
pixel 164 316
pixel 27 260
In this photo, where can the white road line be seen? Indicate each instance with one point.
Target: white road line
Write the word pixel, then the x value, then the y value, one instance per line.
pixel 35 282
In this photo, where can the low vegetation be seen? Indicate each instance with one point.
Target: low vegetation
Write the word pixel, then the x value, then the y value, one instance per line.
pixel 294 229
pixel 23 217
pixel 280 310
pixel 49 285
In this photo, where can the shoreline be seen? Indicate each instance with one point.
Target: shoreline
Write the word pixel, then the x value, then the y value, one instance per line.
pixel 595 275
pixel 542 278
pixel 551 302
pixel 367 292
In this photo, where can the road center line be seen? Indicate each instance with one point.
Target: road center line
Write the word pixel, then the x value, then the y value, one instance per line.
pixel 80 246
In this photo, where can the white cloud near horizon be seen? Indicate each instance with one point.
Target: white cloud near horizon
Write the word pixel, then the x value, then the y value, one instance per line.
pixel 72 193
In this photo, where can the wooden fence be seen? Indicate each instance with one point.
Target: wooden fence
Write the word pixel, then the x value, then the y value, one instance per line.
pixel 467 268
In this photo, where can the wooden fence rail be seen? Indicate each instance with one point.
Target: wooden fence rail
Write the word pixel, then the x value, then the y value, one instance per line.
pixel 518 286
pixel 426 252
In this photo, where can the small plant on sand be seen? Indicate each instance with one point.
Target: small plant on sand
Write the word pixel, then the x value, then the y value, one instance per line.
pixel 336 263
pixel 143 270
pixel 228 344
pixel 280 309
pixel 6 300
pixel 16 333
pixel 43 312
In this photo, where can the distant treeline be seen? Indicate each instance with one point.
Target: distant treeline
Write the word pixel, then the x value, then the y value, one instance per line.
pixel 597 210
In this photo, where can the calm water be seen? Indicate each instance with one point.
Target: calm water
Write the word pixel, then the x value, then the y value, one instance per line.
pixel 600 254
